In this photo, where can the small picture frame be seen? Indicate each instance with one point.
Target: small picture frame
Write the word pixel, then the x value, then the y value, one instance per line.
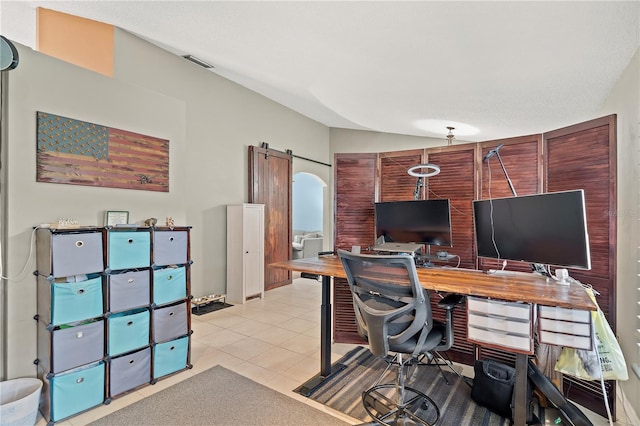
pixel 116 217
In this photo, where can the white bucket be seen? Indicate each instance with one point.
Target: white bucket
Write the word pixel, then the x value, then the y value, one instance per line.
pixel 19 400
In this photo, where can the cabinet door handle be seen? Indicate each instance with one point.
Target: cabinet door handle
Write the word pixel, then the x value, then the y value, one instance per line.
pixel 79 243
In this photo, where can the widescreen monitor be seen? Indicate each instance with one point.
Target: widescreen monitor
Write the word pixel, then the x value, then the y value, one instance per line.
pixel 548 229
pixel 420 221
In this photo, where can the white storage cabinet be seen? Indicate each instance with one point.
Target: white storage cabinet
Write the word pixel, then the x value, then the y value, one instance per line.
pixel 245 252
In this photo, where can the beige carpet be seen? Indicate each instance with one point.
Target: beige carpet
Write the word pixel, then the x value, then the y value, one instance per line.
pixel 218 396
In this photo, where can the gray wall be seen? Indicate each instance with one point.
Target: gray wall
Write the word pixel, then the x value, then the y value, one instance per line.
pixel 209 121
pixel 624 100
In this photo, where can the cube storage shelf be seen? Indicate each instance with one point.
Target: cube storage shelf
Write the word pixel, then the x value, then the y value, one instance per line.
pixel 113 312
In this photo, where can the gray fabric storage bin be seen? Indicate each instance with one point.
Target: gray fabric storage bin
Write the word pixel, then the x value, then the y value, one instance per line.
pixel 129 371
pixel 128 290
pixel 169 322
pixel 75 346
pixel 170 247
pixel 67 254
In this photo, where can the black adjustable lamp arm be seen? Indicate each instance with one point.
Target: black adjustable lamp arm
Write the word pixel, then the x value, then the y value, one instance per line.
pixel 416 192
pixel 513 191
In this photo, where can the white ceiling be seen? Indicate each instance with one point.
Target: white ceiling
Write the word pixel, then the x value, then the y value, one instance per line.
pixel 504 68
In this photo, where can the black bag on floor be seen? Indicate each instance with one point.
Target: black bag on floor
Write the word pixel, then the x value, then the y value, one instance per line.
pixel 493 386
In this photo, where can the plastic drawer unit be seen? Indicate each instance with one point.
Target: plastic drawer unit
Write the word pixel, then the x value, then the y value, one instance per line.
pixel 128 249
pixel 129 371
pixel 72 346
pixel 169 357
pixel 128 290
pixel 76 391
pixel 169 285
pixel 63 302
pixel 169 322
pixel 170 247
pixel 501 324
pixel 67 253
pixel 127 331
pixel 565 327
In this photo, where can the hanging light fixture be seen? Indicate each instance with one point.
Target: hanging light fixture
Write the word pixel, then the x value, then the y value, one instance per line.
pixel 450 136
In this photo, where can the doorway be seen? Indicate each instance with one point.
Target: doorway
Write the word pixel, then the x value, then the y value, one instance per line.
pixel 308 202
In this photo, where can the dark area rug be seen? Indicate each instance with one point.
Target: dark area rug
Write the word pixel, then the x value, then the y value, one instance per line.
pixel 209 307
pixel 343 391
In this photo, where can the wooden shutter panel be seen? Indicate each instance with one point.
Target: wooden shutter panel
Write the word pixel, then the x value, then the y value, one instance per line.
pixel 522 159
pixel 396 184
pixel 354 177
pixel 456 182
pixel 584 157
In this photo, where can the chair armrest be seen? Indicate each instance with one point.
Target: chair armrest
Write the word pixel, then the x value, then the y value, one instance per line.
pixel 450 301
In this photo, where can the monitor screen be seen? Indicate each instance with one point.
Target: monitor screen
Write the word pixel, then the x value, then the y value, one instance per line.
pixel 549 229
pixel 420 221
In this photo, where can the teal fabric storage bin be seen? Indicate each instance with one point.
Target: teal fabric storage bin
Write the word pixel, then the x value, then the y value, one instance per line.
pixel 72 302
pixel 127 331
pixel 169 285
pixel 77 391
pixel 169 357
pixel 128 250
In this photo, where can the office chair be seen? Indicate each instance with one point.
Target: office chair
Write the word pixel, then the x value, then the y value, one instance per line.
pixel 393 313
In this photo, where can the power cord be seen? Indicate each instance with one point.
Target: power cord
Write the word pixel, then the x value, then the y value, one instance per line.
pixel 26 264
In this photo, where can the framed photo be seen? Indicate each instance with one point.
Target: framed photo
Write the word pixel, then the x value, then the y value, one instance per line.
pixel 115 217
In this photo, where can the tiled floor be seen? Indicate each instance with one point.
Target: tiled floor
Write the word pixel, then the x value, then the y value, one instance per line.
pixel 274 341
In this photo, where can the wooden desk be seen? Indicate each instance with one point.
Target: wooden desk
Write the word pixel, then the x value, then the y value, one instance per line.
pixel 528 288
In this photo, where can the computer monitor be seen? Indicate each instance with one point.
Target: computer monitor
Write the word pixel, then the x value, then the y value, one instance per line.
pixel 420 221
pixel 548 229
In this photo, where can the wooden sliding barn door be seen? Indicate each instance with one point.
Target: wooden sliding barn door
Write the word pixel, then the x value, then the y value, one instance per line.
pixel 270 183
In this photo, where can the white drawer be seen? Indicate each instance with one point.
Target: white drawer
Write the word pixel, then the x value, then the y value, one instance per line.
pixel 561 339
pixel 499 308
pixel 564 314
pixel 501 339
pixel 500 324
pixel 566 327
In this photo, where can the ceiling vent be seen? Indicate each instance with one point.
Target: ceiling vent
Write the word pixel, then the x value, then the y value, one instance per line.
pixel 197 61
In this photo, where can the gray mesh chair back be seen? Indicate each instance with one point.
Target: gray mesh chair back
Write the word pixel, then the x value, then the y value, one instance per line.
pixel 391 307
pixel 393 313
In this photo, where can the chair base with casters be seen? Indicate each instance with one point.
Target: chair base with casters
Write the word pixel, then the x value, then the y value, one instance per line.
pixel 397 404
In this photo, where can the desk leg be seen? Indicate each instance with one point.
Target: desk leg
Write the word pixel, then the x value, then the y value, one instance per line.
pixel 326 369
pixel 522 366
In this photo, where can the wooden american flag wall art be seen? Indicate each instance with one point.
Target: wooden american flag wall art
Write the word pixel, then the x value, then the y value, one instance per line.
pixel 76 152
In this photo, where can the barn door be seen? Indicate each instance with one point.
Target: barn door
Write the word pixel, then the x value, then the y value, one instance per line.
pixel 270 180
